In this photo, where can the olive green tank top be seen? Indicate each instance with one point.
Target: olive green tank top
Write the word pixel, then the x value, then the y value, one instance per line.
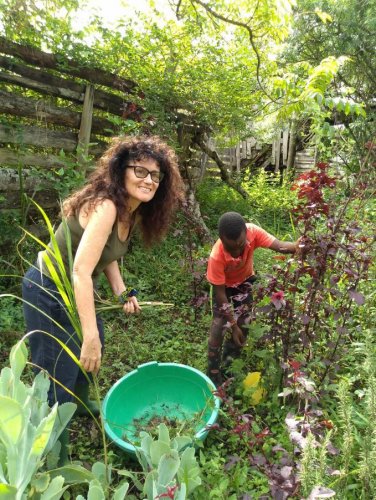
pixel 113 249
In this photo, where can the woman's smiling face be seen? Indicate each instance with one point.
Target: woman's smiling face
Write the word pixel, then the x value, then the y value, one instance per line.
pixel 141 190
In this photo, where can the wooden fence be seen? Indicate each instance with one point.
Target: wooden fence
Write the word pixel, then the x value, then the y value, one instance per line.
pixel 53 115
pixel 55 112
pixel 272 156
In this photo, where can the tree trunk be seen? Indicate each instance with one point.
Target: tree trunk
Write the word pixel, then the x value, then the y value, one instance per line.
pixel 221 165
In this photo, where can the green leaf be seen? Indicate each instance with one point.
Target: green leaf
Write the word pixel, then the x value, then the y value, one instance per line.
pixel 157 449
pixel 95 491
pixel 189 471
pixel 18 358
pixel 168 467
pixel 43 433
pixel 182 493
pixel 121 491
pixel 324 16
pixel 7 492
pixel 12 420
pixel 163 434
pixel 55 489
pixel 100 472
pixel 73 474
pixel 41 482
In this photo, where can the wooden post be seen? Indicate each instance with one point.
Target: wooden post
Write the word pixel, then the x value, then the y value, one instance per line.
pixel 285 141
pixel 85 128
pixel 238 158
pixel 277 153
pixel 292 148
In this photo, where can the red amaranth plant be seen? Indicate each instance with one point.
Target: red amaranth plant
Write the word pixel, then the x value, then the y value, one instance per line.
pixel 312 295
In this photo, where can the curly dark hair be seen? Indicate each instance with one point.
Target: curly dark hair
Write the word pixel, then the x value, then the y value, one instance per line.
pixel 107 182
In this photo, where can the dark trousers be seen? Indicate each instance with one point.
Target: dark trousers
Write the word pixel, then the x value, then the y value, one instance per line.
pixel 241 299
pixel 44 311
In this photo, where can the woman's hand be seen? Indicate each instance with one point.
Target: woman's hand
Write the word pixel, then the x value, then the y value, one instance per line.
pixel 91 353
pixel 238 336
pixel 131 306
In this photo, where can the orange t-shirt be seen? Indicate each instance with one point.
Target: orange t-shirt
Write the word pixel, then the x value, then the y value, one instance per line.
pixel 226 270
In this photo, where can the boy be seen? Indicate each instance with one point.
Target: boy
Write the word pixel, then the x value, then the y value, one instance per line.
pixel 230 271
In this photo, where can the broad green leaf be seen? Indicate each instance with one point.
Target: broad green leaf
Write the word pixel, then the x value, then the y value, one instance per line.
pixel 100 471
pixel 73 474
pixel 121 491
pixel 189 471
pixel 95 491
pixel 163 433
pixel 182 493
pixel 64 414
pixel 168 467
pixel 55 490
pixel 7 492
pixel 182 442
pixel 40 482
pixel 12 420
pixel 18 358
pixel 150 489
pixel 157 449
pixel 43 432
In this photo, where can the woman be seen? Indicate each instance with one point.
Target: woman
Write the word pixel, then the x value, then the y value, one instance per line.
pixel 136 182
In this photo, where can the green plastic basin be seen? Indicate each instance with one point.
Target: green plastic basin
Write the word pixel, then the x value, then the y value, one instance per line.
pixel 155 392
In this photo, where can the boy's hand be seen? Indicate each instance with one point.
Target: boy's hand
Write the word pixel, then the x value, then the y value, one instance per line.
pixel 238 336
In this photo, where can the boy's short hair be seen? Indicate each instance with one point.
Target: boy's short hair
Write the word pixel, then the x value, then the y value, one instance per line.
pixel 231 225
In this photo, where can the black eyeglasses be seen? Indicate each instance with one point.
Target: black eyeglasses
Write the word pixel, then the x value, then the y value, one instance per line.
pixel 142 173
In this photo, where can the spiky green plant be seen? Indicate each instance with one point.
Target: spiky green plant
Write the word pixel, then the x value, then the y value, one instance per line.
pixel 314 463
pixel 62 278
pixel 368 453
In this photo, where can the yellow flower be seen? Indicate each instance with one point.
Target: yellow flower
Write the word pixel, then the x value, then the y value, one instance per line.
pixel 252 388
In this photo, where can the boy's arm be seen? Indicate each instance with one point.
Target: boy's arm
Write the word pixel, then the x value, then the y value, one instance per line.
pixel 285 246
pixel 224 308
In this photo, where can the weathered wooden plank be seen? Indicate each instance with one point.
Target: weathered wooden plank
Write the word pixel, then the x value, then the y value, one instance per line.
pixel 272 160
pixel 14 158
pixel 62 87
pixel 277 153
pixel 37 57
pixel 45 138
pixel 237 158
pixel 285 142
pixel 46 112
pixel 45 198
pixel 38 136
pixel 10 182
pixel 25 82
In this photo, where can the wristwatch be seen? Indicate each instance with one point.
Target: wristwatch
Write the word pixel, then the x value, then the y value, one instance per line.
pixel 124 296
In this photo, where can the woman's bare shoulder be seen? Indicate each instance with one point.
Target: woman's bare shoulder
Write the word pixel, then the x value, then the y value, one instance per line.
pixel 103 210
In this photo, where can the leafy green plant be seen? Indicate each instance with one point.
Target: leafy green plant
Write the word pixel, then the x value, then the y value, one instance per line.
pixel 170 465
pixel 29 430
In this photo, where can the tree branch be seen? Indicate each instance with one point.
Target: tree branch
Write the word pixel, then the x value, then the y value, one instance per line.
pixel 250 34
pixel 221 165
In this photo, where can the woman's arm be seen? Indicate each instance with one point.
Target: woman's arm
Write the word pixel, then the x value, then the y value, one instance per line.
pixel 98 227
pixel 113 275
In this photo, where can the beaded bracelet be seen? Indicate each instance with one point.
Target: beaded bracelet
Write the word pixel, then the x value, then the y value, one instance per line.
pixel 124 296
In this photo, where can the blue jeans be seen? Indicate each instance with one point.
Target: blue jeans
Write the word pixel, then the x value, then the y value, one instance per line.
pixel 46 352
